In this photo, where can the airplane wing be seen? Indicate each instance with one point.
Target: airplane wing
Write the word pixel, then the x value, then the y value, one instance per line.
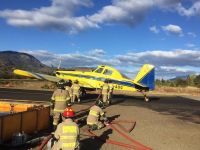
pixel 86 85
pixel 36 75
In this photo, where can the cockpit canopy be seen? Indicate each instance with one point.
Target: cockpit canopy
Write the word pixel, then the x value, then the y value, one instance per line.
pixel 109 71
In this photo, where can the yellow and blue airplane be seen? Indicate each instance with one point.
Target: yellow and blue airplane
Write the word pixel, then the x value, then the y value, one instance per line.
pixel 143 82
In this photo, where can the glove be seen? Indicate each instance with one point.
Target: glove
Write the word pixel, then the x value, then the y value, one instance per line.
pixel 106 121
pixel 54 138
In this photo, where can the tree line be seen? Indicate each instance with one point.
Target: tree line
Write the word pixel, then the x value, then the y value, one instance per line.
pixel 191 80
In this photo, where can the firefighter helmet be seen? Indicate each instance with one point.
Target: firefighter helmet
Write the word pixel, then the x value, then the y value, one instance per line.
pixel 61 84
pixel 76 81
pixel 68 113
pixel 67 83
pixel 99 103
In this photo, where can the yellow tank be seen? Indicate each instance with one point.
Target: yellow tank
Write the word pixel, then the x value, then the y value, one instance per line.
pixel 18 117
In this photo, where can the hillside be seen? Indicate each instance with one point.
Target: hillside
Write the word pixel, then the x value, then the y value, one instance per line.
pixel 10 60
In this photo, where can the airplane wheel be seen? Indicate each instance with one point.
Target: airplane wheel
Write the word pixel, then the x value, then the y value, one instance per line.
pixel 146 99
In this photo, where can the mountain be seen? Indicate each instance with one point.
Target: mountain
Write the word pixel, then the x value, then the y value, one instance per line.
pixel 83 69
pixel 183 77
pixel 10 60
pixel 180 77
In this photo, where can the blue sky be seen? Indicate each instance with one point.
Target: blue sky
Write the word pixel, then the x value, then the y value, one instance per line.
pixel 121 33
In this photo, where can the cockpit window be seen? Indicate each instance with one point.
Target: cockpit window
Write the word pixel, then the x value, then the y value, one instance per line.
pixel 107 72
pixel 99 70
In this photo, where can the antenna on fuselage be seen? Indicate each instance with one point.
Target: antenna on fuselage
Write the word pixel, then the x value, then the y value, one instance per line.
pixel 59 63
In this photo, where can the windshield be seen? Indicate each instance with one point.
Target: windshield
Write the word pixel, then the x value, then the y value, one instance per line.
pixel 107 72
pixel 99 70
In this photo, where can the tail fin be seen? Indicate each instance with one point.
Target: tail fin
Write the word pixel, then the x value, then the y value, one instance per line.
pixel 146 76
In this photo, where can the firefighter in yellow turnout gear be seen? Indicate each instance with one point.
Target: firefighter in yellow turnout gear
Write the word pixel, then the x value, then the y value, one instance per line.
pixel 67 133
pixel 69 89
pixel 75 91
pixel 105 91
pixel 95 113
pixel 110 92
pixel 61 99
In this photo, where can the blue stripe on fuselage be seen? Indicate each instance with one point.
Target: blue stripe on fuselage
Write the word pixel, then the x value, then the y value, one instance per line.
pixel 124 83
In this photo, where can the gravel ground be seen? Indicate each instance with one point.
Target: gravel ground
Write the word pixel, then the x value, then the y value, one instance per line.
pixel 162 130
pixel 165 123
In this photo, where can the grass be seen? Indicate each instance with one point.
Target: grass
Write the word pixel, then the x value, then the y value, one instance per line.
pixel 41 85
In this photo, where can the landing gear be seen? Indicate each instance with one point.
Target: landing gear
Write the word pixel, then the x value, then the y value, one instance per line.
pixel 146 99
pixel 83 92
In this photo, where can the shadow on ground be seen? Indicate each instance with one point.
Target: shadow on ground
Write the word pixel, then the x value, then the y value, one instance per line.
pixel 183 108
pixel 96 143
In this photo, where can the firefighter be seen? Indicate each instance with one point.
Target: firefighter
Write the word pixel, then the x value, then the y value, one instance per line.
pixel 61 99
pixel 110 92
pixel 75 91
pixel 94 118
pixel 69 89
pixel 105 91
pixel 67 133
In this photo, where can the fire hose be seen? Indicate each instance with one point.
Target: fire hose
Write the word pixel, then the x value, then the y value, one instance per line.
pixel 117 122
pixel 109 141
pixel 135 145
pixel 139 145
pixel 44 142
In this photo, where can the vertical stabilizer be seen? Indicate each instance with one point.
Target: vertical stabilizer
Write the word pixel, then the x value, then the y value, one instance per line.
pixel 146 76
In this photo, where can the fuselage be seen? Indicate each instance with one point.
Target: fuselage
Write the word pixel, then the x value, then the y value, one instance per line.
pixel 95 79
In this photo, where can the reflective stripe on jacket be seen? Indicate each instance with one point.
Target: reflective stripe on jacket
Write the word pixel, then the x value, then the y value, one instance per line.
pixel 75 89
pixel 111 87
pixel 67 134
pixel 61 98
pixel 94 114
pixel 105 88
pixel 69 89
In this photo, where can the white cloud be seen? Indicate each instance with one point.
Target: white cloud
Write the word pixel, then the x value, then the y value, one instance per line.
pixel 60 15
pixel 166 72
pixel 90 58
pixel 173 29
pixel 192 34
pixel 190 45
pixel 97 52
pixel 191 11
pixel 168 68
pixel 180 57
pixel 154 29
pixel 129 12
pixel 168 63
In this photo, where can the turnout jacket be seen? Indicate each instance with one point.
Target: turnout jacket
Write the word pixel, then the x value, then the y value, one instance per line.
pixel 67 134
pixel 94 115
pixel 61 98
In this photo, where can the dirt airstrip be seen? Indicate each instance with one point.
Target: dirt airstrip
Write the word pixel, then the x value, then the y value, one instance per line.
pixel 165 123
